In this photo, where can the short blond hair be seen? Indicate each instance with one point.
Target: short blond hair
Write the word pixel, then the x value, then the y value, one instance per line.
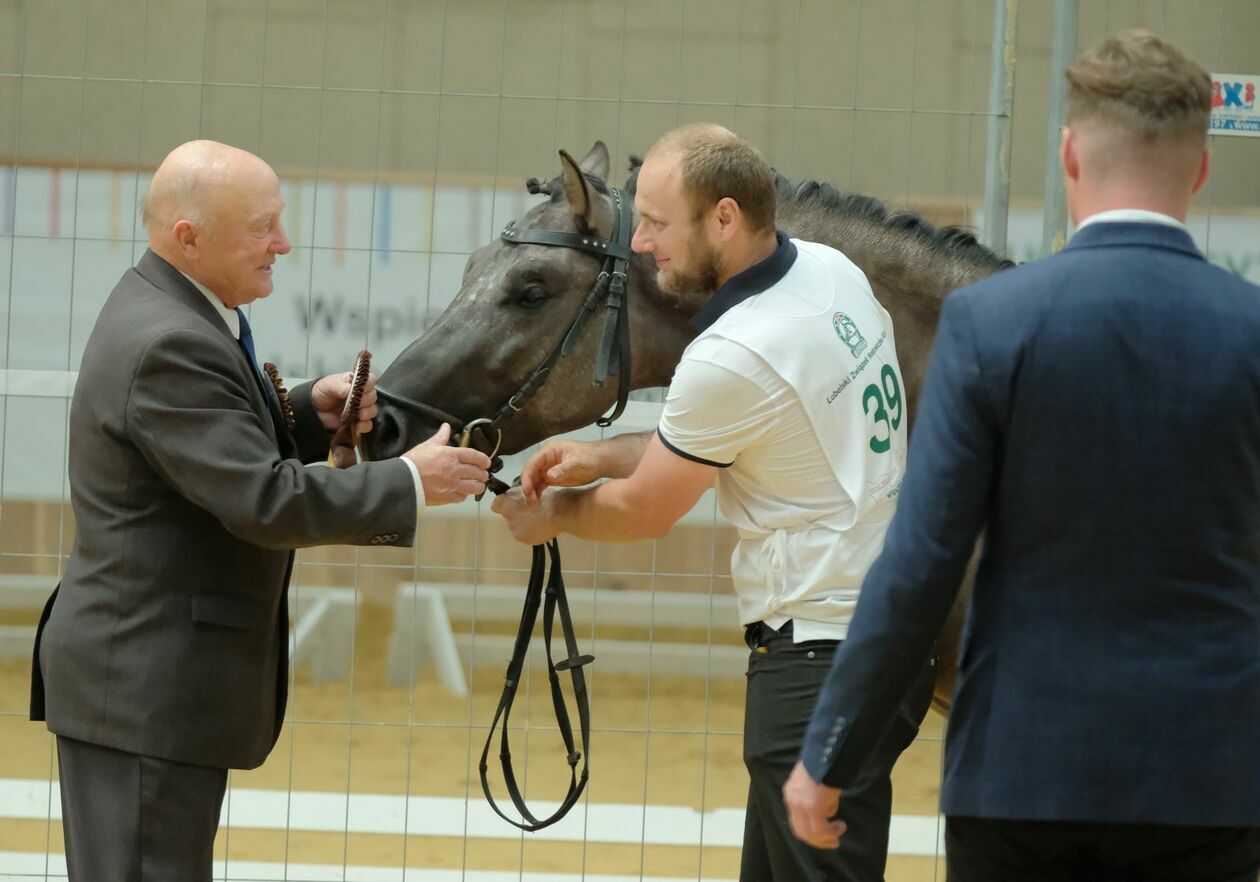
pixel 716 164
pixel 1143 84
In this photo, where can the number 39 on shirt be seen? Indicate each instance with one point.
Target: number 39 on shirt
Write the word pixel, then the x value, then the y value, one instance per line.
pixel 882 402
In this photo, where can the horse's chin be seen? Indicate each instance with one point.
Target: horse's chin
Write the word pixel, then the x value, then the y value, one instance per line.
pixel 519 438
pixel 528 429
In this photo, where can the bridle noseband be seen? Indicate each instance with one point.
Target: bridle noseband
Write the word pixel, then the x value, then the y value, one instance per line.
pixel 613 357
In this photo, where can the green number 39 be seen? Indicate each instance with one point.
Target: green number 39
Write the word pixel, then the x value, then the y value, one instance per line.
pixel 885 400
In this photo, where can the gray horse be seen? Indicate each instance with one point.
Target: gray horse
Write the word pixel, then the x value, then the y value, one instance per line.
pixel 517 299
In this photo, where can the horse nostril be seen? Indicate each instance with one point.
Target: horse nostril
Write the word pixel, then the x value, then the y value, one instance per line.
pixel 384 437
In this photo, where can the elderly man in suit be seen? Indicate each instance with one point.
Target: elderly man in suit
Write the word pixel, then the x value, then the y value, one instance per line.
pixel 162 658
pixel 1098 415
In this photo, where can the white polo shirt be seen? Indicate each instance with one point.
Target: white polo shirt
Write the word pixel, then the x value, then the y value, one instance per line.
pixel 784 390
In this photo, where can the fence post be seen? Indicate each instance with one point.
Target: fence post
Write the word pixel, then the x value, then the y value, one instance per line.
pixel 1054 219
pixel 997 176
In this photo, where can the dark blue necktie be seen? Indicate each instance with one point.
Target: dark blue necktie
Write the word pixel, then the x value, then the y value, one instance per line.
pixel 247 340
pixel 247 344
pixel 264 384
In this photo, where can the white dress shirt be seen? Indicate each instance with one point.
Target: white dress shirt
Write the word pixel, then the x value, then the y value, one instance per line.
pixel 1132 216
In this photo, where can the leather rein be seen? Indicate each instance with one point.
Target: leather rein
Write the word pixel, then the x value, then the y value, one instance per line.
pixel 546 588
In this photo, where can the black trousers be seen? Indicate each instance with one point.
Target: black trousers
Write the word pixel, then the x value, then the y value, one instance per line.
pixel 130 818
pixel 989 850
pixel 784 680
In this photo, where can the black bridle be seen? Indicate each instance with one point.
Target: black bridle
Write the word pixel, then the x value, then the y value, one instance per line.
pixel 613 357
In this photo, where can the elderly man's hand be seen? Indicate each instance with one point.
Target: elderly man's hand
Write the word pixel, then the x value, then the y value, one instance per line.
pixel 530 523
pixel 449 474
pixel 329 394
pixel 811 806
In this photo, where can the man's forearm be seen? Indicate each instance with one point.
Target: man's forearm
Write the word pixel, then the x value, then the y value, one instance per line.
pixel 661 488
pixel 603 513
pixel 620 454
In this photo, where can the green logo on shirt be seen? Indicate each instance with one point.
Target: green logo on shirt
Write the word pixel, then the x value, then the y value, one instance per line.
pixel 848 333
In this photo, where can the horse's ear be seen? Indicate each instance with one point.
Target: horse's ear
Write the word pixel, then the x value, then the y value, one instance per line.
pixel 596 162
pixel 575 188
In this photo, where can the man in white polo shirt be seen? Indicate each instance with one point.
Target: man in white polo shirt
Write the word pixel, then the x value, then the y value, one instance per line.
pixel 790 399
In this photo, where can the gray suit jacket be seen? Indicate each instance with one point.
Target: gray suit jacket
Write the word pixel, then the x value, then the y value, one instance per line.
pixel 168 636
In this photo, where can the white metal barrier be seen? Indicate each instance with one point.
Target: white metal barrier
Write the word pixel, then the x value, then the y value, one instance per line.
pixel 422 613
pixel 322 637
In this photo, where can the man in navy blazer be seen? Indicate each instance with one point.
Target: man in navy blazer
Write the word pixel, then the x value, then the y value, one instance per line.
pixel 1097 415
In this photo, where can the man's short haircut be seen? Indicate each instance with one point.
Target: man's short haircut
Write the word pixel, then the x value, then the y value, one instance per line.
pixel 716 164
pixel 1141 83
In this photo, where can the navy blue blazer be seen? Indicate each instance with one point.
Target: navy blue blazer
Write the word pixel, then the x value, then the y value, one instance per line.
pixel 1097 414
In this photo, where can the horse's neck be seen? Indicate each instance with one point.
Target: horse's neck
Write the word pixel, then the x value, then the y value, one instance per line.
pixel 837 233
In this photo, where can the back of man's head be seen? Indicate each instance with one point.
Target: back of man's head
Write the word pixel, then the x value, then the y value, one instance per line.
pixel 716 164
pixel 1143 94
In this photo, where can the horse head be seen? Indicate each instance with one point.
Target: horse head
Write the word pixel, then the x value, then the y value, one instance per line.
pixel 516 303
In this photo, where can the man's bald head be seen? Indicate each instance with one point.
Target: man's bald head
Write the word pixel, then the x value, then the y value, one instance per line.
pixel 195 181
pixel 696 136
pixel 213 213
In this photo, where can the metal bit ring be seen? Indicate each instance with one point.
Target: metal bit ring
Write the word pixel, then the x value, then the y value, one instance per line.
pixel 465 437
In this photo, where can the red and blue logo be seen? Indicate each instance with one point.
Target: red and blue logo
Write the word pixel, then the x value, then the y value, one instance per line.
pixel 1234 108
pixel 1236 95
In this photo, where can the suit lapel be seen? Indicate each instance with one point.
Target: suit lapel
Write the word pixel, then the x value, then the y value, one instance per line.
pixel 166 278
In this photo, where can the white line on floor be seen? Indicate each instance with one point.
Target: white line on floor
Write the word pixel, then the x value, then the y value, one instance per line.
pixel 25 867
pixel 455 816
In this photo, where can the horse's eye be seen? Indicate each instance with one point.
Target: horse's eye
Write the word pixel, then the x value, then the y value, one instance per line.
pixel 532 295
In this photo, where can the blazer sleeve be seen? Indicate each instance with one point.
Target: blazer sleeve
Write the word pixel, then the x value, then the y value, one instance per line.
pixel 193 421
pixel 312 438
pixel 909 590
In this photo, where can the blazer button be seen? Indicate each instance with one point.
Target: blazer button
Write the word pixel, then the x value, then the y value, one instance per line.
pixel 393 537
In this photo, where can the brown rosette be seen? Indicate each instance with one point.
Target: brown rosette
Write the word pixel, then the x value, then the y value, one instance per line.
pixel 341 450
pixel 282 394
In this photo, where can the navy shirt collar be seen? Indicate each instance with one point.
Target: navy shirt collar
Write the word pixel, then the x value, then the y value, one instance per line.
pixel 739 287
